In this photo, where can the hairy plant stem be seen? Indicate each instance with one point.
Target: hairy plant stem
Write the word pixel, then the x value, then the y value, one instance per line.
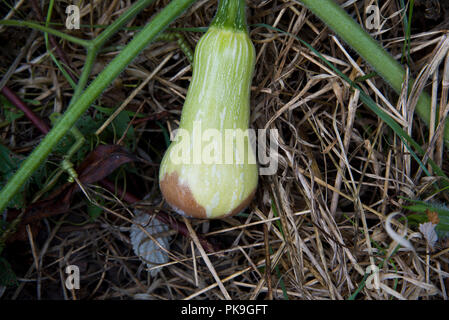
pixel 100 40
pixel 37 26
pixel 137 44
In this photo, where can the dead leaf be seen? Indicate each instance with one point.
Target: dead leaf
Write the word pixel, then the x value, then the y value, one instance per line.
pixel 433 216
pixel 98 164
pixel 102 161
pixel 429 233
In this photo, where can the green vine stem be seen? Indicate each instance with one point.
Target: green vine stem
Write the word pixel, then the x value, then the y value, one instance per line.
pixel 137 44
pixel 100 40
pixel 381 61
pixel 37 26
pixel 47 45
pixel 79 141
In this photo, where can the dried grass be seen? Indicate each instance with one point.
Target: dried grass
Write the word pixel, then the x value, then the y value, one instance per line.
pixel 314 227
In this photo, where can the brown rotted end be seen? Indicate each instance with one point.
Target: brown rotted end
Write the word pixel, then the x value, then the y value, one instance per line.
pixel 181 199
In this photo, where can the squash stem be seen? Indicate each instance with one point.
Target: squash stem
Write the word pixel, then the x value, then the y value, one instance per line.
pixel 231 15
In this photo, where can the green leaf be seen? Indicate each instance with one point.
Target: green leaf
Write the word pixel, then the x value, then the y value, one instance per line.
pixel 11 113
pixel 7 276
pixel 121 123
pixel 9 163
pixel 165 133
pixel 420 206
pixel 108 111
pixel 87 125
pixel 94 211
pixel 416 219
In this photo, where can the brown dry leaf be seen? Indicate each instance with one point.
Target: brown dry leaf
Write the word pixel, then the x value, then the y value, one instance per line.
pixel 101 162
pixel 433 216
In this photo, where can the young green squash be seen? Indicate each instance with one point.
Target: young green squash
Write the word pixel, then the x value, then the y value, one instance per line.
pixel 211 175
